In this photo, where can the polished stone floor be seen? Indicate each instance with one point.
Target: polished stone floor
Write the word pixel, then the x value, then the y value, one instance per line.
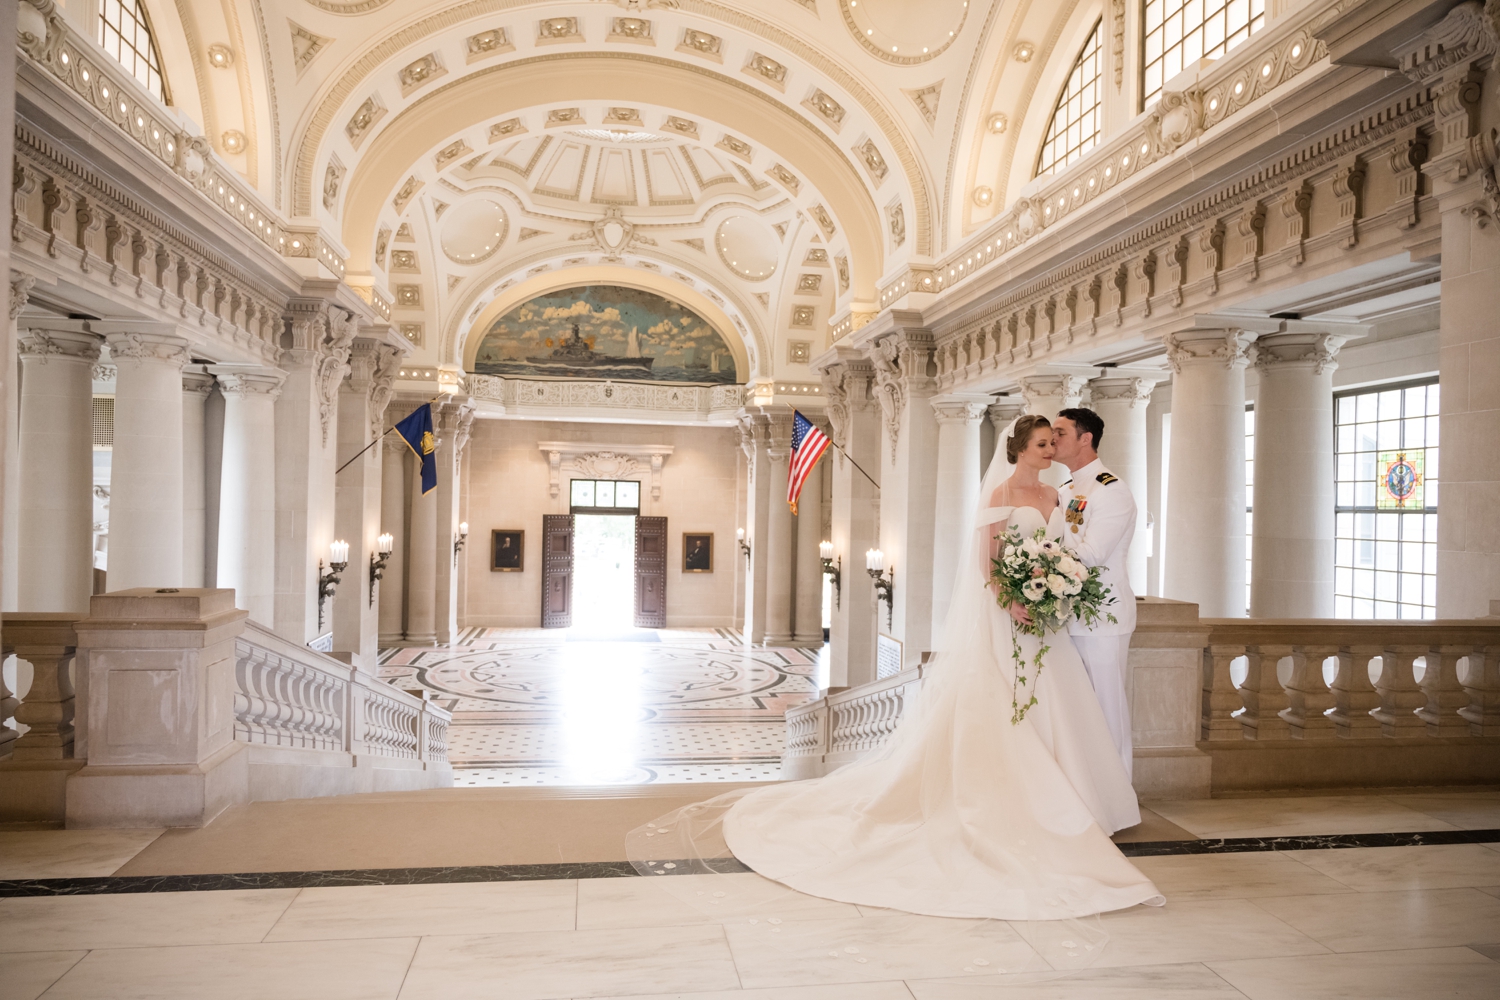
pixel 566 707
pixel 1409 922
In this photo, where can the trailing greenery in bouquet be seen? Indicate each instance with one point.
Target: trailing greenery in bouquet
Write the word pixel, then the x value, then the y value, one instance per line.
pixel 1054 586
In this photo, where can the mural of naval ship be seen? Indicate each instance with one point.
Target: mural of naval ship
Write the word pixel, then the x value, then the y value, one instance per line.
pixel 576 353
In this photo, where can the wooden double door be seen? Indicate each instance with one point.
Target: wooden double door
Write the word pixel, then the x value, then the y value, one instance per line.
pixel 558 570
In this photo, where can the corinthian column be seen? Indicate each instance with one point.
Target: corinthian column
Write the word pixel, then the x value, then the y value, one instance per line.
pixel 1205 515
pixel 854 418
pixel 422 559
pixel 779 537
pixel 958 419
pixel 1292 534
pixel 392 585
pixel 195 389
pixel 1121 401
pixel 56 468
pixel 145 506
pixel 755 439
pixel 10 551
pixel 247 494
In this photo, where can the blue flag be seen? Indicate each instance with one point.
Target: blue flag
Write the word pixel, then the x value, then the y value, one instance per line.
pixel 416 431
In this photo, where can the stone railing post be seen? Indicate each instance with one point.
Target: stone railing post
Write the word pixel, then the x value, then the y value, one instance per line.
pixel 1308 696
pixel 1400 697
pixel 1221 700
pixel 48 708
pixel 1445 696
pixel 1354 697
pixel 1264 699
pixel 1482 682
pixel 159 665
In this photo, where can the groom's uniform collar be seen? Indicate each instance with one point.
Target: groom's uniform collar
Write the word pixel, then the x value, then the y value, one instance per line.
pixel 1086 473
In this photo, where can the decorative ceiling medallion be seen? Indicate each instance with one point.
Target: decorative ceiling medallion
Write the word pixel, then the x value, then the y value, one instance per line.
pixel 552 30
pixel 738 147
pixel 353 7
pixel 781 175
pixel 869 155
pixel 827 108
pixel 487 43
pixel 220 56
pixel 564 116
pixel 404 195
pixel 614 235
pixel 366 115
pixel 451 152
pixel 902 32
pixel 630 29
pixel 511 126
pixel 681 126
pixel 767 69
pixel 419 72
pixel 701 43
pixel 306 46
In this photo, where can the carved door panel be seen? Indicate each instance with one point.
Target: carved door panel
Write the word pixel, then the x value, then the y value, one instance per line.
pixel 650 572
pixel 557 570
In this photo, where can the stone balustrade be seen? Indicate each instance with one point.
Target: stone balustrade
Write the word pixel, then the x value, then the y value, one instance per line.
pixel 184 707
pixel 1224 705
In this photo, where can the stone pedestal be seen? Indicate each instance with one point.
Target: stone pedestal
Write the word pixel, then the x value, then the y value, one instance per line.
pixel 56 499
pixel 1205 515
pixel 196 386
pixel 808 621
pixel 1121 401
pixel 159 670
pixel 145 505
pixel 778 538
pixel 247 495
pixel 391 590
pixel 958 475
pixel 1292 533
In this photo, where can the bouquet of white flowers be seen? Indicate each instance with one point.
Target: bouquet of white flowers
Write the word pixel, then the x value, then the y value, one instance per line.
pixel 1054 586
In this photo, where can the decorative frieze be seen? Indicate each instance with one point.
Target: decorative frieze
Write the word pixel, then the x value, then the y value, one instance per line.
pixel 604 461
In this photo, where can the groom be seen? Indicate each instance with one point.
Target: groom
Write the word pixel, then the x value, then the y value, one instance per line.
pixel 1101 518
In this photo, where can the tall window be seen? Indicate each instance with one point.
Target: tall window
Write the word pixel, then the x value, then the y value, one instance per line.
pixel 125 33
pixel 1074 128
pixel 1386 448
pixel 1180 32
pixel 1249 496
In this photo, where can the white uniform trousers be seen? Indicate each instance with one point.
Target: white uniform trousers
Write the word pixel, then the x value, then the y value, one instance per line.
pixel 1105 658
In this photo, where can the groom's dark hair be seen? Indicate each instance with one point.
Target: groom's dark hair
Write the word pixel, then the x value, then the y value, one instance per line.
pixel 1087 422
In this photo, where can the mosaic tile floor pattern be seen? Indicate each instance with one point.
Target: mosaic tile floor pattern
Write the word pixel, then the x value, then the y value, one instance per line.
pixel 558 707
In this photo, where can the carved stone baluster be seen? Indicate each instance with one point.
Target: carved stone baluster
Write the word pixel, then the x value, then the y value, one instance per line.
pixel 1264 699
pixel 1399 695
pixel 1482 682
pixel 48 708
pixel 1308 696
pixel 1445 696
pixel 1353 694
pixel 1220 699
pixel 8 705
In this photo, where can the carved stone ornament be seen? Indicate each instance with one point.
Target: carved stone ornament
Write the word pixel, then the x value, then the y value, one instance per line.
pixel 890 386
pixel 590 461
pixel 1177 120
pixel 20 292
pixel 614 235
pixel 869 155
pixel 139 347
pixel 1229 348
pixel 896 220
pixel 43 344
pixel 419 72
pixel 333 179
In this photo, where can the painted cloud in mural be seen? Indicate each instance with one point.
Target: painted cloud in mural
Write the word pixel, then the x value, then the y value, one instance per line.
pixel 622 333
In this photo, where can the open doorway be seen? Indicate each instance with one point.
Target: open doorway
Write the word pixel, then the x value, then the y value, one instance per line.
pixel 604 572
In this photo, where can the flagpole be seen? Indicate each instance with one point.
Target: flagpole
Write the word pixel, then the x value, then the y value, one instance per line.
pixel 372 444
pixel 856 465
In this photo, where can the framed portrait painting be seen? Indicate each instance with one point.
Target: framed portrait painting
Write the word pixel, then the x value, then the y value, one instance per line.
pixel 697 551
pixel 507 551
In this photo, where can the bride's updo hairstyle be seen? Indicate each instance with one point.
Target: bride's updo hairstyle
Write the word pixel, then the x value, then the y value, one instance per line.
pixel 1017 442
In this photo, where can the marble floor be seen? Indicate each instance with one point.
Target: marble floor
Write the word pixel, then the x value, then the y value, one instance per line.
pixel 1322 922
pixel 569 707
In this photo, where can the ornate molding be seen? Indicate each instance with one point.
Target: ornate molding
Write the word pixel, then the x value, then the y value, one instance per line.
pixel 605 461
pixel 41 345
pixel 1315 351
pixel 136 348
pixel 246 383
pixel 20 293
pixel 1227 348
pixel 525 394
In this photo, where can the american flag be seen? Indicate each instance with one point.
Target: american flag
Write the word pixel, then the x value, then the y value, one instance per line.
pixel 808 445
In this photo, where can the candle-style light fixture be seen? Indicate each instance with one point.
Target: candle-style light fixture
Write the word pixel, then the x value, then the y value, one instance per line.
pixel 739 534
pixel 384 545
pixel 885 586
pixel 460 539
pixel 328 580
pixel 835 571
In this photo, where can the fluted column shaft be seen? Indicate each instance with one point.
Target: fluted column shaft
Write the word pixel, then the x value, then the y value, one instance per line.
pixel 755 441
pixel 145 497
pixel 779 539
pixel 195 389
pixel 392 586
pixel 958 474
pixel 422 558
pixel 855 420
pixel 247 495
pixel 1121 402
pixel 809 605
pixel 10 521
pixel 1205 515
pixel 454 421
pixel 56 469
pixel 1292 533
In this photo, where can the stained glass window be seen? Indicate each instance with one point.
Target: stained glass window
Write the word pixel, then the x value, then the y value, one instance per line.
pixel 1180 32
pixel 125 33
pixel 1385 549
pixel 1074 128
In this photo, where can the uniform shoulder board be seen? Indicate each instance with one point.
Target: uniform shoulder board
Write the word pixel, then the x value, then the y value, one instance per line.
pixel 1105 478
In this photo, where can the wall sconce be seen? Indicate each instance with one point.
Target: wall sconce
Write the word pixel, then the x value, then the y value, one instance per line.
pixel 328 580
pixel 384 544
pixel 885 587
pixel 458 543
pixel 739 534
pixel 834 570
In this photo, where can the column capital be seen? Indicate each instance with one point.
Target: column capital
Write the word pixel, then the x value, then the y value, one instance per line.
pixel 1064 387
pixel 59 341
pixel 20 292
pixel 1002 411
pixel 1227 348
pixel 1315 352
pixel 196 380
pixel 960 407
pixel 137 347
pixel 1132 389
pixel 245 381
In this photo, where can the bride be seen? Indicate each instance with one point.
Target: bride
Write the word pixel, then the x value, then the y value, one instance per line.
pixel 961 813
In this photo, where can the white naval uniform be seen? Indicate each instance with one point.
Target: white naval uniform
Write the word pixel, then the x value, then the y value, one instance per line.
pixel 1103 539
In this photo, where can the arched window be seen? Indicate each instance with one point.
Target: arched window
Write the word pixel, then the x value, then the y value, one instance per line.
pixel 1180 32
pixel 1074 128
pixel 125 33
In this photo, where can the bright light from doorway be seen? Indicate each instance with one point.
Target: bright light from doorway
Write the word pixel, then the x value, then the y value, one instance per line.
pixel 603 573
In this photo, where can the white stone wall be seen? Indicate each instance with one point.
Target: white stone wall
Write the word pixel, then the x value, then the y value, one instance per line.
pixel 509 488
